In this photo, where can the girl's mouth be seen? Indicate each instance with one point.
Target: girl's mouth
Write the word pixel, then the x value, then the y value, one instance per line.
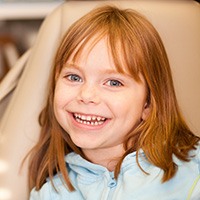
pixel 90 120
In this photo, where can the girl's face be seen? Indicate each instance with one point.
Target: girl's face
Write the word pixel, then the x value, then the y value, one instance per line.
pixel 96 105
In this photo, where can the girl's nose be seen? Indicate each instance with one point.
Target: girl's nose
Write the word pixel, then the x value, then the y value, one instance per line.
pixel 89 94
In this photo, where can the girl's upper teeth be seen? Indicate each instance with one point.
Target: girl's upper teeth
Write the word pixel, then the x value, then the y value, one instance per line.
pixel 89 117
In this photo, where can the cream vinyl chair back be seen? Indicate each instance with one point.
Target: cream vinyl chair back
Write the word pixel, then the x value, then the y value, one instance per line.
pixel 23 91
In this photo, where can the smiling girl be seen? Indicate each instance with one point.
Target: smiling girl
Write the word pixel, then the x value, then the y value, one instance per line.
pixel 112 128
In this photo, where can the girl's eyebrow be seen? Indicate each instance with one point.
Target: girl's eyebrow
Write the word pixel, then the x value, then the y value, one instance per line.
pixel 72 65
pixel 108 71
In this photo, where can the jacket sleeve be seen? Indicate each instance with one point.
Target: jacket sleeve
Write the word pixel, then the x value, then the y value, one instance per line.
pixel 43 194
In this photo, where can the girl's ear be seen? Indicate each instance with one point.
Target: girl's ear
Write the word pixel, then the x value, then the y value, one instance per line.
pixel 146 111
pixel 56 75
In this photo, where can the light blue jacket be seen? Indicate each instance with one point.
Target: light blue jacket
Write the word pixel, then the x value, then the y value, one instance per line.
pixel 94 182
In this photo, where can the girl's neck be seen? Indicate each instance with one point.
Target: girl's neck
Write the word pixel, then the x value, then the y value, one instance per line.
pixel 108 157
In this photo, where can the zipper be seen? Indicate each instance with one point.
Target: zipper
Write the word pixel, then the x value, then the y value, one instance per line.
pixel 112 185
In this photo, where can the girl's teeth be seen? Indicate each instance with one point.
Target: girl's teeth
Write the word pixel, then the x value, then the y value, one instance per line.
pixel 83 117
pixel 93 118
pixel 89 120
pixel 98 119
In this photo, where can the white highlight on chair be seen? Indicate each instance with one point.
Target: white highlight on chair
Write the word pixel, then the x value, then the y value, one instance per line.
pixel 5 194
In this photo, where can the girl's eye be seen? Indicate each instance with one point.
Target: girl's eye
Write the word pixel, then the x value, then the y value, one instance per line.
pixel 114 83
pixel 74 78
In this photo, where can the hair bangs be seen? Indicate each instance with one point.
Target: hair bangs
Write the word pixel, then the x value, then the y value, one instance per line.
pixel 122 38
pixel 125 59
pixel 126 46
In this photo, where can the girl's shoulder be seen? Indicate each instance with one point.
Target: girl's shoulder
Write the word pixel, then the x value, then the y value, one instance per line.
pixel 50 190
pixel 55 190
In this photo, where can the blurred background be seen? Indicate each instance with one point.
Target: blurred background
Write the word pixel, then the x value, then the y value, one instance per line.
pixel 19 24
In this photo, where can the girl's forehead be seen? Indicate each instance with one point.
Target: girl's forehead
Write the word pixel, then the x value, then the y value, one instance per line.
pixel 123 61
pixel 100 48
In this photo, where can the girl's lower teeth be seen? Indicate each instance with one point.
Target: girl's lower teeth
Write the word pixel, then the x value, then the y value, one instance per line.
pixel 93 123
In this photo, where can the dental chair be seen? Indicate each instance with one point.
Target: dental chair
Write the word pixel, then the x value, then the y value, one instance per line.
pixel 23 90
